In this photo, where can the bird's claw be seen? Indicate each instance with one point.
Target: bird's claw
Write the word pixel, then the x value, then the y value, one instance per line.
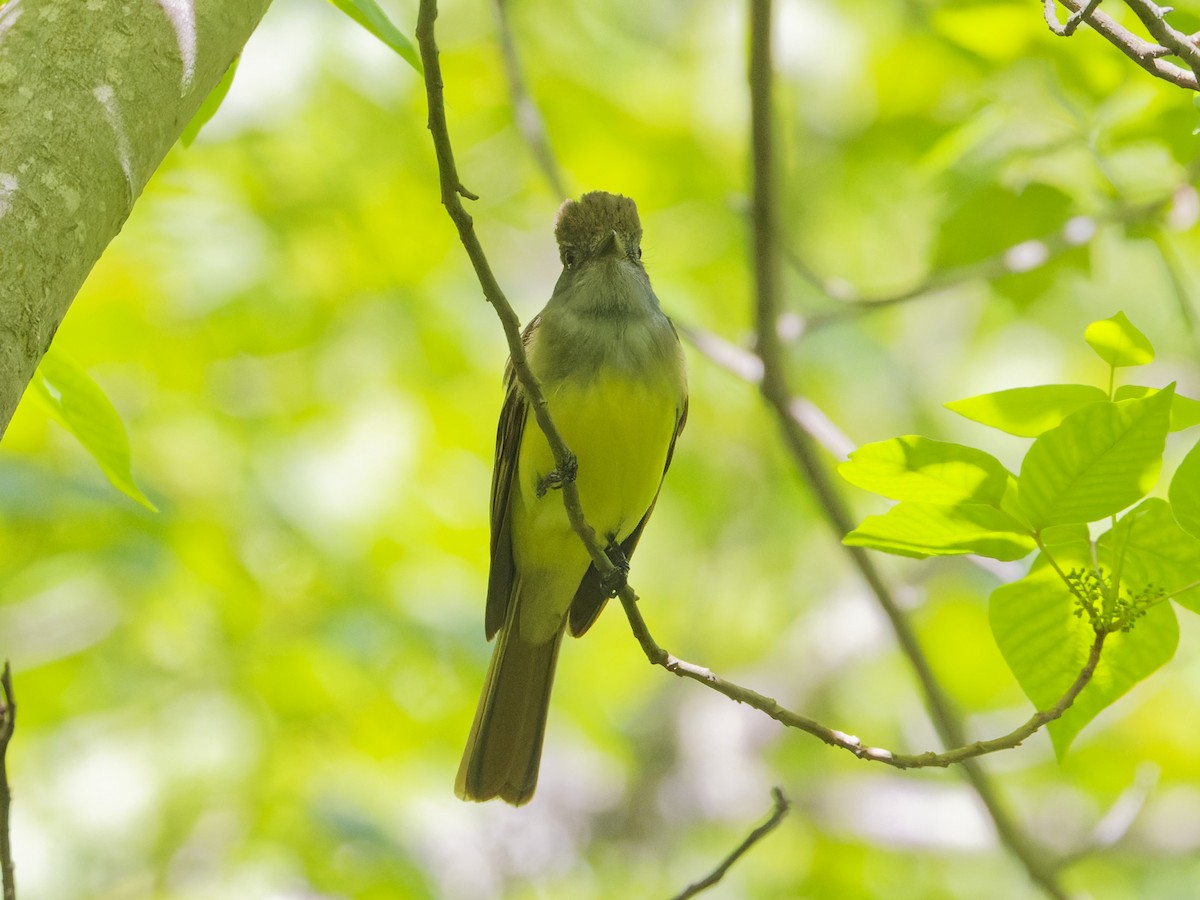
pixel 556 478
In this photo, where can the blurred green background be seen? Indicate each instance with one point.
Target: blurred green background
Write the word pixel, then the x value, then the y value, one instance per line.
pixel 263 690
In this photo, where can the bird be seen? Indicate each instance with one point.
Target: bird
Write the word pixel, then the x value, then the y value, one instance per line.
pixel 613 374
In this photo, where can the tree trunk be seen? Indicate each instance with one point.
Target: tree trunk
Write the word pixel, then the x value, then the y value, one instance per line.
pixel 93 93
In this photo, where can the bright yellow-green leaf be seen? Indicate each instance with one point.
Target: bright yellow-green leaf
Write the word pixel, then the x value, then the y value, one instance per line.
pixel 929 529
pixel 368 14
pixel 1185 412
pixel 1185 492
pixel 1149 549
pixel 1046 645
pixel 81 406
pixel 1101 459
pixel 1027 411
pixel 1118 343
pixel 917 468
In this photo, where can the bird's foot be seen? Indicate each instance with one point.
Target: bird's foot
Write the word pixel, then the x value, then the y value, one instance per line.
pixel 558 477
pixel 615 581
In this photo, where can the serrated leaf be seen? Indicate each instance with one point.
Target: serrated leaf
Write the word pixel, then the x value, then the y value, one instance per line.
pixel 1027 411
pixel 1101 459
pixel 370 16
pixel 82 407
pixel 1148 548
pixel 928 529
pixel 1046 646
pixel 1118 343
pixel 211 104
pixel 1184 492
pixel 917 468
pixel 1185 412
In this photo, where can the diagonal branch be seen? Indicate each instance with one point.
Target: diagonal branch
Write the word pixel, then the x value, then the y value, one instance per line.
pixel 780 810
pixel 529 120
pixel 777 394
pixel 961 753
pixel 1145 53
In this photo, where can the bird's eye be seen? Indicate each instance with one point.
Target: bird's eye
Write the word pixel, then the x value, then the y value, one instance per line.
pixel 638 253
pixel 568 258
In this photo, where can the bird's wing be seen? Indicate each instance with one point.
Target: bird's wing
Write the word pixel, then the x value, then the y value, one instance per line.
pixel 508 446
pixel 590 597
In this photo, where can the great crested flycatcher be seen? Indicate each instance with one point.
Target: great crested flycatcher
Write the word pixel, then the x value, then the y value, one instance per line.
pixel 612 371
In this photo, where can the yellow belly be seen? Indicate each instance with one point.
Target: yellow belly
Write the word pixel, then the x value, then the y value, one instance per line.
pixel 620 431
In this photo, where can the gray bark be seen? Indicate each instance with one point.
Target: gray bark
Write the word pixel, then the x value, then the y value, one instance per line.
pixel 93 93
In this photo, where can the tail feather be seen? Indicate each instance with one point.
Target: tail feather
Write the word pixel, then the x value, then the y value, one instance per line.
pixel 504 748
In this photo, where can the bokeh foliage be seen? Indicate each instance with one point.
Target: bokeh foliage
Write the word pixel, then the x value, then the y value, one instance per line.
pixel 263 689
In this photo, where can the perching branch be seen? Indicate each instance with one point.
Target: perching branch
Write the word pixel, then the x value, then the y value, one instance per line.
pixel 834 738
pixel 8 721
pixel 452 190
pixel 772 822
pixel 1145 53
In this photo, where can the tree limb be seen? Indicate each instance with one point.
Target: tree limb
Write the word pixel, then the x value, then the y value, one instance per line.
pixel 92 96
pixel 1145 53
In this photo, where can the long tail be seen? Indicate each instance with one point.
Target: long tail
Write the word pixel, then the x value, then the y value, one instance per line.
pixel 505 744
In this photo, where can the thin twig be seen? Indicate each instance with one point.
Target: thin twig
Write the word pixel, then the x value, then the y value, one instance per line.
pixel 1145 53
pixel 1073 22
pixel 959 753
pixel 772 822
pixel 1021 257
pixel 777 394
pixel 525 112
pixel 8 722
pixel 1154 17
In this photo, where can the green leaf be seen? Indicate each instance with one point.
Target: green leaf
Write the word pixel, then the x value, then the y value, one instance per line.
pixel 1118 343
pixel 211 104
pixel 80 405
pixel 368 14
pixel 1185 412
pixel 1027 411
pixel 1185 492
pixel 1046 646
pixel 928 529
pixel 917 468
pixel 1148 547
pixel 1101 459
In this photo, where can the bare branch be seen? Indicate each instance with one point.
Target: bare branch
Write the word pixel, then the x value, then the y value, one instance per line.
pixel 8 722
pixel 1146 54
pixel 1072 23
pixel 834 738
pixel 1154 18
pixel 525 111
pixel 772 822
pixel 1024 256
